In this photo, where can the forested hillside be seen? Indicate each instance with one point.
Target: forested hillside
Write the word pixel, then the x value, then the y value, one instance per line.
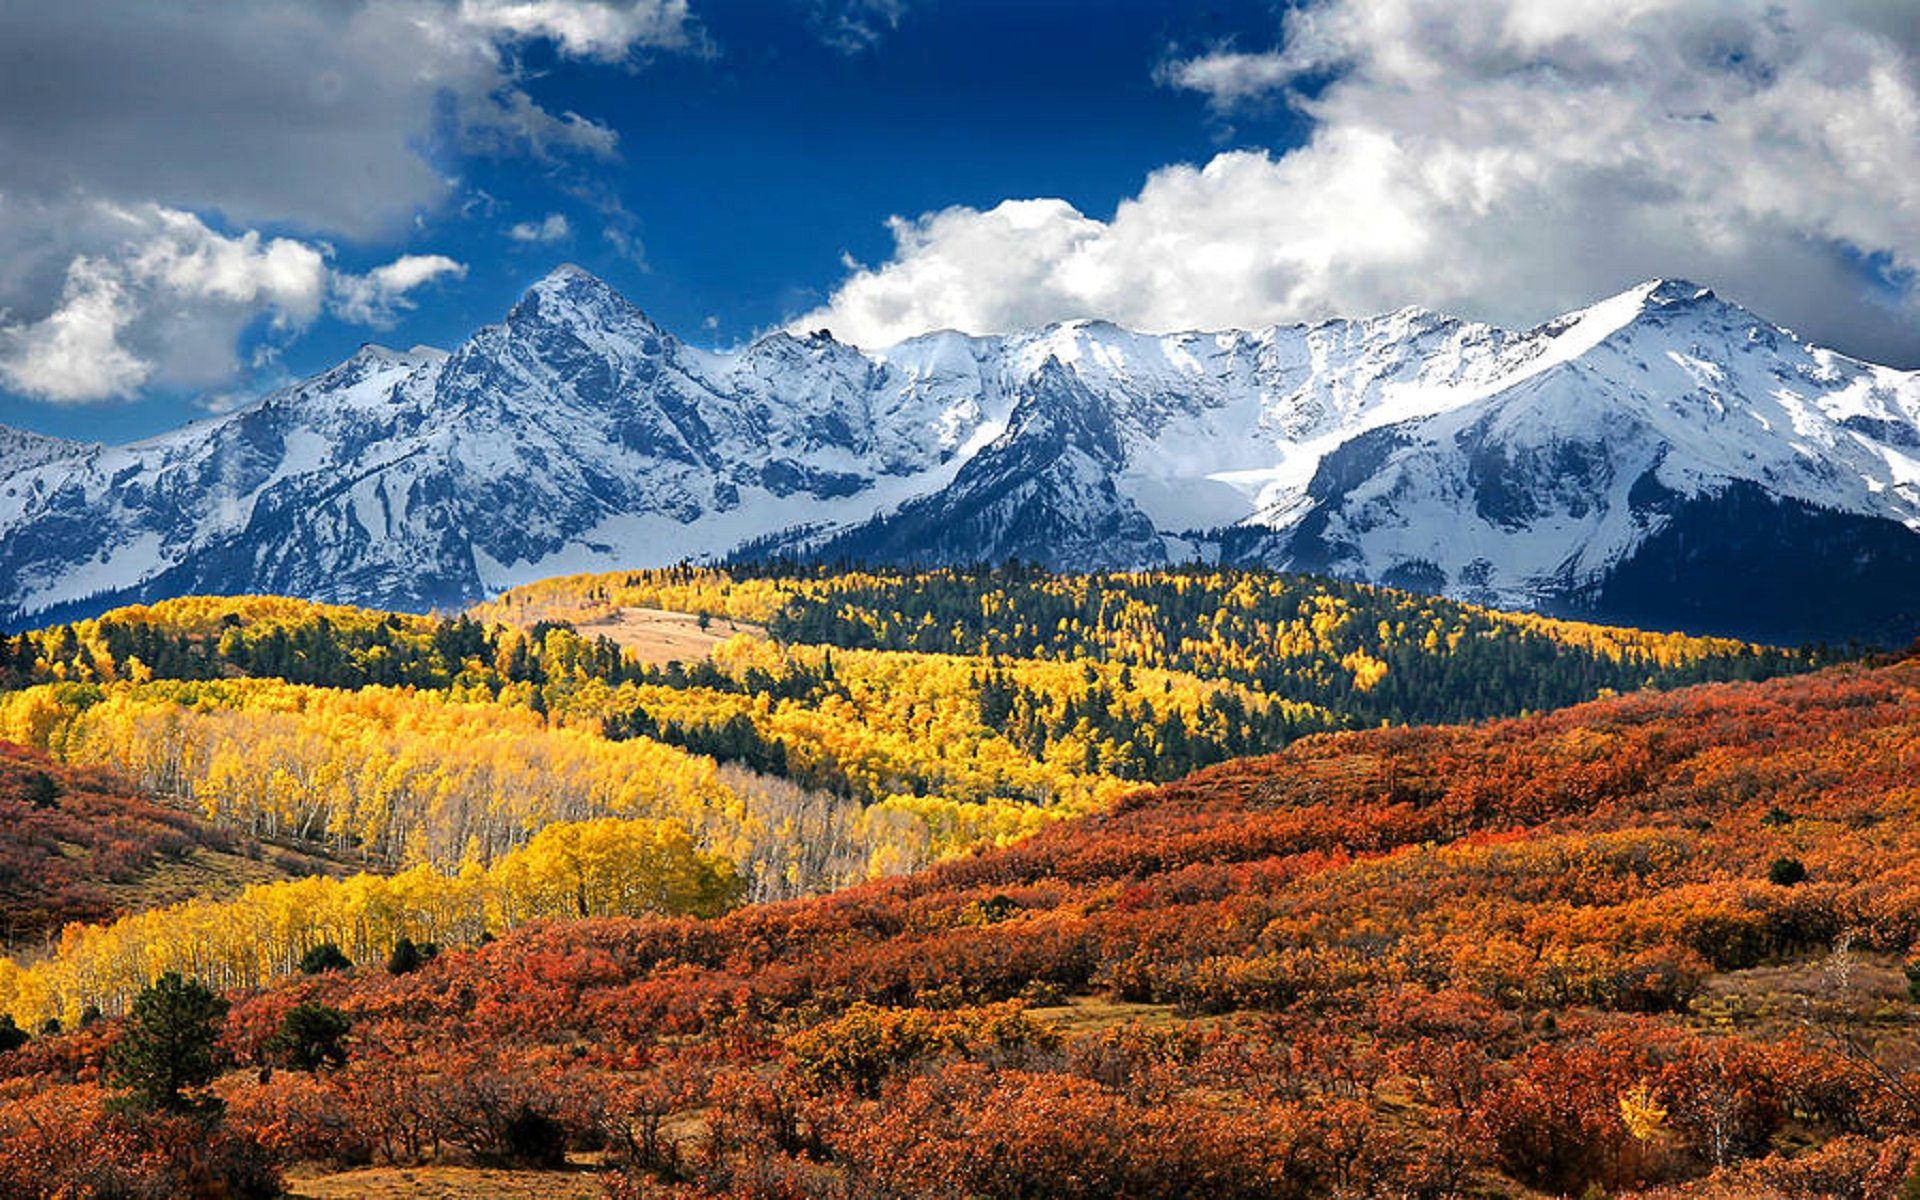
pixel 887 721
pixel 1659 945
pixel 1372 654
pixel 83 845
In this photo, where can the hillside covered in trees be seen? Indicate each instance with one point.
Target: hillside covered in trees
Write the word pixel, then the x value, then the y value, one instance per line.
pixel 1662 945
pixel 1368 654
pixel 82 845
pixel 884 722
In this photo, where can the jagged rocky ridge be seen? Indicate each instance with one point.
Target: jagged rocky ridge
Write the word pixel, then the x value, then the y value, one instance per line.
pixel 1663 457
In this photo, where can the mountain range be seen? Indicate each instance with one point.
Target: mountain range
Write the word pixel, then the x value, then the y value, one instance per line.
pixel 1663 457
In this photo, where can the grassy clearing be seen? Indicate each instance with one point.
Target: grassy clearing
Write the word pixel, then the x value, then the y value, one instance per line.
pixel 218 875
pixel 1092 1014
pixel 447 1183
pixel 658 637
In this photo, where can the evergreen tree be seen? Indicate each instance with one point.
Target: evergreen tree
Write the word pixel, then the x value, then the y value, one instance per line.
pixel 405 959
pixel 311 1036
pixel 323 958
pixel 42 791
pixel 1786 872
pixel 168 1046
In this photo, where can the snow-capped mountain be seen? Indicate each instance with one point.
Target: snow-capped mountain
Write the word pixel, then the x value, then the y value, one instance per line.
pixel 1663 456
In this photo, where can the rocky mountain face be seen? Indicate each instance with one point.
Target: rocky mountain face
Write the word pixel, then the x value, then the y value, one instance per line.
pixel 1663 457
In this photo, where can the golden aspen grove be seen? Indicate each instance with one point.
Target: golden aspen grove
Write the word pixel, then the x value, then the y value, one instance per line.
pixel 888 720
pixel 366 794
pixel 897 600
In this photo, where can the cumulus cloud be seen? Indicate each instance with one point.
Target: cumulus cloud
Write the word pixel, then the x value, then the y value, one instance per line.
pixel 376 297
pixel 1506 159
pixel 121 122
pixel 553 228
pixel 171 302
pixel 598 29
pixel 74 353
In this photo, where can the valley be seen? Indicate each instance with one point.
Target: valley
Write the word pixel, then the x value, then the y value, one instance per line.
pixel 848 725
pixel 890 600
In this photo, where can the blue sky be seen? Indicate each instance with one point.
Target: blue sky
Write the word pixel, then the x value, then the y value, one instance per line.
pixel 748 170
pixel 200 201
pixel 750 174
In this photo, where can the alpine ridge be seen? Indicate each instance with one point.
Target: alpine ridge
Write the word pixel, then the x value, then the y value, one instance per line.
pixel 1663 457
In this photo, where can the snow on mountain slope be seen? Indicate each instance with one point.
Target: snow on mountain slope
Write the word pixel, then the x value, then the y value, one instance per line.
pixel 574 435
pixel 1539 491
pixel 1528 469
pixel 1044 490
pixel 1576 467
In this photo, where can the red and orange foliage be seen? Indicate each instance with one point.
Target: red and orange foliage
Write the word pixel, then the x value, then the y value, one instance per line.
pixel 84 845
pixel 1540 956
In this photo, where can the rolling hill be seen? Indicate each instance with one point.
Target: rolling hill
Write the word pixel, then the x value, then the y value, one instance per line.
pixel 85 845
pixel 1654 945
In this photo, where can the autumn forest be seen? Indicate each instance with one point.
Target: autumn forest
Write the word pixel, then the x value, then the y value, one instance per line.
pixel 786 883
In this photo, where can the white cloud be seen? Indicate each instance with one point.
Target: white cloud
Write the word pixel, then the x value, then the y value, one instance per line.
pixel 855 26
pixel 1506 159
pixel 172 300
pixel 1229 77
pixel 182 257
pixel 625 242
pixel 598 29
pixel 74 354
pixel 124 123
pixel 508 122
pixel 1023 262
pixel 552 228
pixel 378 296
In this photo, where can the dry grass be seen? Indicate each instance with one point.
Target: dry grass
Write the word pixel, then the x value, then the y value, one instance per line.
pixel 208 874
pixel 1864 993
pixel 657 636
pixel 1091 1014
pixel 447 1183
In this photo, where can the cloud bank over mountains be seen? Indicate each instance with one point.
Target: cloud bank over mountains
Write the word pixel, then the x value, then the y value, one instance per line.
pixel 1498 158
pixel 187 188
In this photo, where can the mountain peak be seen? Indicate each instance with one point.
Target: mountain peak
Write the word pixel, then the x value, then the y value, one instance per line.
pixel 1653 303
pixel 1670 301
pixel 373 353
pixel 1664 292
pixel 567 273
pixel 572 295
pixel 372 358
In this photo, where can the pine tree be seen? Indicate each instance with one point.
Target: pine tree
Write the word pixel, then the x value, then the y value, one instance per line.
pixel 42 791
pixel 1786 872
pixel 311 1036
pixel 405 959
pixel 323 958
pixel 168 1047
